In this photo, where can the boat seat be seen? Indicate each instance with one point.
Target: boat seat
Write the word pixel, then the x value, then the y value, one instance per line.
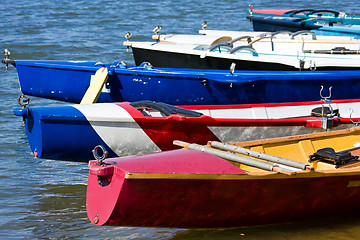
pixel 324 111
pixel 165 109
pixel 328 155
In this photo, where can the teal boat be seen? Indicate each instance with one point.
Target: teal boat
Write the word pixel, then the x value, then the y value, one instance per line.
pixel 321 22
pixel 307 14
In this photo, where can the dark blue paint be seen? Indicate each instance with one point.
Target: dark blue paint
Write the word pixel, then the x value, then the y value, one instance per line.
pixel 49 129
pixel 69 81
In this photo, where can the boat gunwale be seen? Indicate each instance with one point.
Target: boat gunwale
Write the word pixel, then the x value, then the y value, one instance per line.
pixel 257 175
pixel 242 76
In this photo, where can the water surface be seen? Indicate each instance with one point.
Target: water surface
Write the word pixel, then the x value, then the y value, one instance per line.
pixel 45 199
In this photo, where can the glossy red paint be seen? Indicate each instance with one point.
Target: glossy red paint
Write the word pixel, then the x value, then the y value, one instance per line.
pixel 242 200
pixel 287 104
pixel 273 11
pixel 164 130
pixel 101 200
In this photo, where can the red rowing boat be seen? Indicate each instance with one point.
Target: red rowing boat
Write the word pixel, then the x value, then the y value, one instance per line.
pixel 196 188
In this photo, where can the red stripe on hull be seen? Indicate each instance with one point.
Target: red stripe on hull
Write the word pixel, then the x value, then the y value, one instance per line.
pixel 287 104
pixel 272 11
pixel 165 133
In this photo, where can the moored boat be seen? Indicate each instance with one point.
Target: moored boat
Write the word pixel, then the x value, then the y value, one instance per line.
pixel 319 21
pixel 274 24
pixel 196 188
pixel 266 52
pixel 330 15
pixel 283 50
pixel 71 132
pixel 70 81
pixel 212 37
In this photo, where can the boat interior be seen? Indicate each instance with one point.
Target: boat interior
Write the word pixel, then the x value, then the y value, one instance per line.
pixel 325 152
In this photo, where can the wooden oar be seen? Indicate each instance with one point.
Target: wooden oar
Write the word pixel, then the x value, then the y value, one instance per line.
pixel 260 155
pixel 234 157
pixel 97 83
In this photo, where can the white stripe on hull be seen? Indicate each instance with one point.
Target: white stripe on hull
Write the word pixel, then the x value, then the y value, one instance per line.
pixel 238 134
pixel 125 137
pixel 281 111
pixel 117 129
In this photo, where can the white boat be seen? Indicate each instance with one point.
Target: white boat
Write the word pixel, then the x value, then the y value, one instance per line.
pixel 211 36
pixel 251 51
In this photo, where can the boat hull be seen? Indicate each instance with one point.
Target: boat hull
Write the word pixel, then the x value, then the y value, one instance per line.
pixel 68 81
pixel 71 132
pixel 160 198
pixel 187 60
pixel 184 60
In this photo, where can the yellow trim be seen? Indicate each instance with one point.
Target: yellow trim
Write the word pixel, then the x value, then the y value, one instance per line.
pixel 253 176
pixel 127 43
pixel 354 184
pixel 297 148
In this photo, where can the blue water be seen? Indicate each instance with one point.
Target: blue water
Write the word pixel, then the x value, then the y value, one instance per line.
pixel 45 199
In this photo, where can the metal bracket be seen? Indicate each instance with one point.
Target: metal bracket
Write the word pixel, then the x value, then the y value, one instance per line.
pixel 312 66
pixel 232 68
pixel 356 123
pixel 327 123
pixel 325 99
pixel 24 101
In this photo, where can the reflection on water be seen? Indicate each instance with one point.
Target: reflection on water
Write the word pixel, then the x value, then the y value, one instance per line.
pixel 341 227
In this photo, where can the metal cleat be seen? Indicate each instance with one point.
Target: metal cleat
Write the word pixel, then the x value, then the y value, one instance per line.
pixel 156 30
pixel 128 36
pixel 204 25
pixel 7 60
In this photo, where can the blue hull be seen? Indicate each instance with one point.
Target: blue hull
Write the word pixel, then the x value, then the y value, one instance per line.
pixel 52 128
pixel 68 81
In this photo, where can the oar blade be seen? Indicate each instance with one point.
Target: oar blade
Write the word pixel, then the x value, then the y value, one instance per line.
pixel 96 85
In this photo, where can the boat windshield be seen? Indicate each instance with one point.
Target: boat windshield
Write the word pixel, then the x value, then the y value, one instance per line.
pixel 222 49
pixel 202 47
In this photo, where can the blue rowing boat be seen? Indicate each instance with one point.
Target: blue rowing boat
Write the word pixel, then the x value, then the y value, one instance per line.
pixel 69 81
pixel 71 132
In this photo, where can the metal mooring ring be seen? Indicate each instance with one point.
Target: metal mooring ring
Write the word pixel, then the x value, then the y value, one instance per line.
pixel 97 156
pixel 23 101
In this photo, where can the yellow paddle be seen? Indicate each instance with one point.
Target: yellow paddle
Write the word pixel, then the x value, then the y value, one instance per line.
pixel 97 83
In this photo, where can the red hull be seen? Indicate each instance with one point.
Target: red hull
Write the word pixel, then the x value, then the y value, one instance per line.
pixel 212 193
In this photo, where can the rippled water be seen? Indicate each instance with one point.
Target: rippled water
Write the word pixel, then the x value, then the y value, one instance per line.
pixel 45 199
